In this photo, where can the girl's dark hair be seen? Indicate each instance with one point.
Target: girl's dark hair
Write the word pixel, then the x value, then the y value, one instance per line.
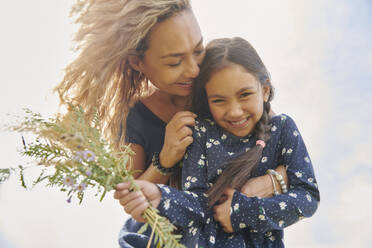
pixel 221 53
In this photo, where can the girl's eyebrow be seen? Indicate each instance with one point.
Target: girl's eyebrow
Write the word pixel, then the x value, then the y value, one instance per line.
pixel 180 54
pixel 238 92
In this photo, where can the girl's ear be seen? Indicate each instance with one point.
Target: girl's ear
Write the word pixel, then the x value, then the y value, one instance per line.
pixel 136 63
pixel 266 92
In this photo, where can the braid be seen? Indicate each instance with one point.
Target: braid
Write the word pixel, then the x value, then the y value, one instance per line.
pixel 240 168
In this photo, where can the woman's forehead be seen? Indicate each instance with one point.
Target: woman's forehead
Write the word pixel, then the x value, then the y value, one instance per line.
pixel 177 34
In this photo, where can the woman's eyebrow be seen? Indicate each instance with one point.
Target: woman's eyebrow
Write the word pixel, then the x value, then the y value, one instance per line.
pixel 180 54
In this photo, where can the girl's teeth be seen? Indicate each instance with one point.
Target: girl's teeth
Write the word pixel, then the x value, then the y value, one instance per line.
pixel 238 122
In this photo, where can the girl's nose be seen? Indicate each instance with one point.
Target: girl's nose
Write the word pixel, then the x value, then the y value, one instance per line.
pixel 235 111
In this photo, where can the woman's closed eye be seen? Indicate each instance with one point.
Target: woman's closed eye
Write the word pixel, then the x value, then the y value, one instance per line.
pixel 245 94
pixel 218 100
pixel 175 64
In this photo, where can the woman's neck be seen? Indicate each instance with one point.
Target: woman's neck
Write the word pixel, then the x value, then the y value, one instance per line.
pixel 178 102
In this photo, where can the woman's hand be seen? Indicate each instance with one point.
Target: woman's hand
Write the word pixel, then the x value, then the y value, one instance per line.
pixel 262 186
pixel 135 203
pixel 222 211
pixel 178 136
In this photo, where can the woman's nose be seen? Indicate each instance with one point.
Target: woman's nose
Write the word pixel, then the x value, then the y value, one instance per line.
pixel 192 68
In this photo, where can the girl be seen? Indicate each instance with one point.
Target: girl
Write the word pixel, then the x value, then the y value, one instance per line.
pixel 234 89
pixel 137 61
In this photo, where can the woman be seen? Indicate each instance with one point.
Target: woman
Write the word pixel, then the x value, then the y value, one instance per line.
pixel 142 54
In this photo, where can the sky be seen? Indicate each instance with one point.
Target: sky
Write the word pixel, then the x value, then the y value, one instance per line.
pixel 319 54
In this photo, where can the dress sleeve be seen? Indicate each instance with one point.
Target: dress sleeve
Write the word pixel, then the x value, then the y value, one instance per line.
pixel 301 200
pixel 188 207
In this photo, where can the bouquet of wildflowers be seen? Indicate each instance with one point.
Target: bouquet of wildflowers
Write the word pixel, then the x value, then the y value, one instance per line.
pixel 73 156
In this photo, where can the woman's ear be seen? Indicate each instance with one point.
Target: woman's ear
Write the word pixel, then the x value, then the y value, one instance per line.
pixel 135 62
pixel 266 92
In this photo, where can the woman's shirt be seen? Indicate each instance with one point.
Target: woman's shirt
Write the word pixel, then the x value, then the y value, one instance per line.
pixel 146 129
pixel 257 222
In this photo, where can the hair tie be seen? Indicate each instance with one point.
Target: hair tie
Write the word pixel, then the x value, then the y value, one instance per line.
pixel 261 143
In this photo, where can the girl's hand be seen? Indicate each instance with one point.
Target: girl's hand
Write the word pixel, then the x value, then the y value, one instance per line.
pixel 262 186
pixel 135 203
pixel 222 211
pixel 178 136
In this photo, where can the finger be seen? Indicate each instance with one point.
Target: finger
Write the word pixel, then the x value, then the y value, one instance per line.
pixel 132 205
pixel 120 193
pixel 121 186
pixel 184 113
pixel 139 210
pixel 181 122
pixel 185 142
pixel 129 197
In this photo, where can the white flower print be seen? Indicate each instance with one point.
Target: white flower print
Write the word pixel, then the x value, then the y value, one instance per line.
pixel 186 155
pixel 166 190
pixel 247 149
pixel 212 239
pixel 274 128
pixel 283 117
pixel 308 197
pixel 310 180
pixel 272 238
pixel 295 133
pixel 282 205
pixel 198 134
pixel 191 223
pixel 230 153
pixel 194 195
pixel 203 129
pixel 201 162
pixel 188 178
pixel 194 179
pixel 242 225
pixel 187 185
pixel 208 220
pixel 281 223
pixel 219 171
pixel 245 140
pixel 196 127
pixel 298 174
pixel 264 159
pixel 294 195
pixel 232 236
pixel 216 142
pixel 167 204
pixel 268 234
pixel 301 218
pixel 307 159
pixel 283 151
pixel 261 217
pixel 209 145
pixel 236 206
pixel 223 137
pixel 202 156
pixel 289 151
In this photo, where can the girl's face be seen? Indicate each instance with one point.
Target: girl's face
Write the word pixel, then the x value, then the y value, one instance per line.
pixel 175 52
pixel 235 99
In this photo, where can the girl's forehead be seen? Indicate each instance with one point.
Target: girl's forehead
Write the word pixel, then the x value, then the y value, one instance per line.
pixel 177 34
pixel 231 79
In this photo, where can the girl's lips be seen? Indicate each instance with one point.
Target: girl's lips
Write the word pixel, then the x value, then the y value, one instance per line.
pixel 239 124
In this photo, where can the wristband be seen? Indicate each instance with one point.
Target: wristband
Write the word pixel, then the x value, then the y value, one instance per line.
pixel 276 192
pixel 280 179
pixel 162 170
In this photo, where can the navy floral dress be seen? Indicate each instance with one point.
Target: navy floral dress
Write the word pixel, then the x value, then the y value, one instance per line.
pixel 257 222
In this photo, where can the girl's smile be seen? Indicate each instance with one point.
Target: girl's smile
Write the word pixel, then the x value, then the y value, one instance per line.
pixel 236 99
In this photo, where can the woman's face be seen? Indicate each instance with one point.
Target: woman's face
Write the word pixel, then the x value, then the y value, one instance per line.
pixel 236 99
pixel 175 52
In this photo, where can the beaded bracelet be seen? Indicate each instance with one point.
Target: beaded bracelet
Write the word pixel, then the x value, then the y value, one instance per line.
pixel 162 170
pixel 280 179
pixel 276 192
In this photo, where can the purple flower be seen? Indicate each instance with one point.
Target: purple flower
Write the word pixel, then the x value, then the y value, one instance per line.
pixel 89 155
pixel 88 173
pixel 81 187
pixel 68 181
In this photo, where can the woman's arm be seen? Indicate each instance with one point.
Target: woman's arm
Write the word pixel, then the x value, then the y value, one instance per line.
pixel 262 186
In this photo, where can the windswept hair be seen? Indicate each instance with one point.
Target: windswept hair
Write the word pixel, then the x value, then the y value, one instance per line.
pixel 100 78
pixel 221 53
